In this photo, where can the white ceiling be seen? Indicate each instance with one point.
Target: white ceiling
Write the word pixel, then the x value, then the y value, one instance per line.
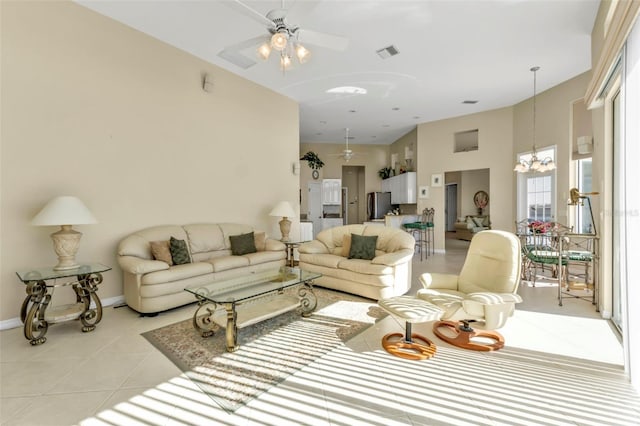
pixel 450 51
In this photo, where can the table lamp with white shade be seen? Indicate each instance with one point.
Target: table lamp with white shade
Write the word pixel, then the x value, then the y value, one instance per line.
pixel 65 211
pixel 284 210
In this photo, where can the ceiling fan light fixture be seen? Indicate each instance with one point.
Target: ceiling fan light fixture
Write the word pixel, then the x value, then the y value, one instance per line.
pixel 264 51
pixel 285 62
pixel 302 53
pixel 279 41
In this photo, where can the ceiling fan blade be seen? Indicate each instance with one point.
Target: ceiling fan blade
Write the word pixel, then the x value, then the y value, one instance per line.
pixel 234 53
pixel 249 12
pixel 330 41
pixel 300 9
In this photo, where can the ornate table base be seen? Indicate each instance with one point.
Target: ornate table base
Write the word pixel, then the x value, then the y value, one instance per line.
pixel 37 313
pixel 209 314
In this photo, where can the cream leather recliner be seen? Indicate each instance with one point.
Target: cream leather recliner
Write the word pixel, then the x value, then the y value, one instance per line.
pixel 485 291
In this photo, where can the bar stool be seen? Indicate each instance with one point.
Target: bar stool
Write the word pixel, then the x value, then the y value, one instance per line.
pixel 419 232
pixel 431 245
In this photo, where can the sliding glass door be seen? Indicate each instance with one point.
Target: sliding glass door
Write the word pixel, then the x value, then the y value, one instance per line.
pixel 618 203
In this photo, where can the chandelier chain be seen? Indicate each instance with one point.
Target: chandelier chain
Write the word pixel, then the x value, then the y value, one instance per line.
pixel 534 69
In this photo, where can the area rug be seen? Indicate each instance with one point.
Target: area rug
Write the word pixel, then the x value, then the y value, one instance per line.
pixel 269 351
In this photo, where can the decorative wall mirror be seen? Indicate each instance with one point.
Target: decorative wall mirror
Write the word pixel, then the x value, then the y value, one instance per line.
pixel 480 199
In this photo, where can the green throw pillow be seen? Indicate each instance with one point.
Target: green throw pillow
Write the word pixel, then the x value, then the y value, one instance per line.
pixel 242 244
pixel 363 247
pixel 179 251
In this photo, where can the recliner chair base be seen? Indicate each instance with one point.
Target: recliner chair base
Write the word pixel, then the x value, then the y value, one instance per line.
pixel 415 347
pixel 464 334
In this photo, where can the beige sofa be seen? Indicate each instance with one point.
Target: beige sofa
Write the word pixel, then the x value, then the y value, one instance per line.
pixel 387 274
pixel 151 286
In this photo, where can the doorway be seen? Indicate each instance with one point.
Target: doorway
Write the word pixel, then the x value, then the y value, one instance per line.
pixel 451 206
pixel 314 206
pixel 353 181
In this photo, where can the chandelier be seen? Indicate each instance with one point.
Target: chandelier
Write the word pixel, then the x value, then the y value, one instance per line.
pixel 534 164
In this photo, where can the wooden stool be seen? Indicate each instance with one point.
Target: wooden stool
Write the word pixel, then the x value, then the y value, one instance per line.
pixel 411 310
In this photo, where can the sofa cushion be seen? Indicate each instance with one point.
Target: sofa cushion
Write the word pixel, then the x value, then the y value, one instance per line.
pixel 177 272
pixel 260 240
pixel 179 251
pixel 265 256
pixel 332 238
pixel 242 244
pixel 327 260
pixel 224 263
pixel 204 237
pixel 363 247
pixel 344 274
pixel 362 266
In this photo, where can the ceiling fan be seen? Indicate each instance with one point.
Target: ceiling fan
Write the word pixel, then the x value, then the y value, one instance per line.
pixel 346 154
pixel 281 36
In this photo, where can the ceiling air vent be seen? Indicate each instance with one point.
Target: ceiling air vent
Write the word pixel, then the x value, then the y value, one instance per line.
pixel 469 102
pixel 387 52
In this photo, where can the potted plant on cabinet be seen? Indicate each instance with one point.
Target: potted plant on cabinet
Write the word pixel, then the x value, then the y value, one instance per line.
pixel 384 173
pixel 314 162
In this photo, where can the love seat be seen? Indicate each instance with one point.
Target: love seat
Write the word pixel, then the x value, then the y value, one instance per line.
pixel 152 285
pixel 468 226
pixel 387 274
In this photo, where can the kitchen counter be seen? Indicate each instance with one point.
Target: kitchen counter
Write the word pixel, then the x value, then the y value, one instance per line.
pixel 396 221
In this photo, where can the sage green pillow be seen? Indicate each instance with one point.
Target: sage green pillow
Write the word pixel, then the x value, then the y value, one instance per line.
pixel 242 244
pixel 179 251
pixel 363 247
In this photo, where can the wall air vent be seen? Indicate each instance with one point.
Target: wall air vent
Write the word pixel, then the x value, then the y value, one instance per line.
pixel 470 102
pixel 387 52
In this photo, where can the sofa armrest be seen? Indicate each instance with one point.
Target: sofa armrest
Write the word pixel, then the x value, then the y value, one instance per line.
pixel 274 245
pixel 434 280
pixel 313 247
pixel 137 266
pixel 394 258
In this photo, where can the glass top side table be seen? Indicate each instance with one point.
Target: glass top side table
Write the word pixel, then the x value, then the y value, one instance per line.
pixel 36 314
pixel 291 246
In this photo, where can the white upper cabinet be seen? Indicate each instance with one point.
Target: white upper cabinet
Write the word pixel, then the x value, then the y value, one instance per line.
pixel 331 191
pixel 386 185
pixel 402 187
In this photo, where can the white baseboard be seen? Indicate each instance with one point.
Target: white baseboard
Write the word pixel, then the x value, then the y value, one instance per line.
pixel 10 323
pixel 15 322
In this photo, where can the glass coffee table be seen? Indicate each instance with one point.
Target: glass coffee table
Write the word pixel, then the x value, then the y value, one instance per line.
pixel 228 303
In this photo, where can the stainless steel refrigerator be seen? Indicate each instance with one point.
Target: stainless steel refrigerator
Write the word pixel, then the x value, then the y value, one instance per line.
pixel 378 204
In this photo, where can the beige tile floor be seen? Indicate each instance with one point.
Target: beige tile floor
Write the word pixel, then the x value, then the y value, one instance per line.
pixel 561 366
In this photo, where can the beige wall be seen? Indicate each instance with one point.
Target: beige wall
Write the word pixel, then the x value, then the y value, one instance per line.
pixel 495 152
pixel 95 109
pixel 410 141
pixel 372 157
pixel 553 127
pixel 473 181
